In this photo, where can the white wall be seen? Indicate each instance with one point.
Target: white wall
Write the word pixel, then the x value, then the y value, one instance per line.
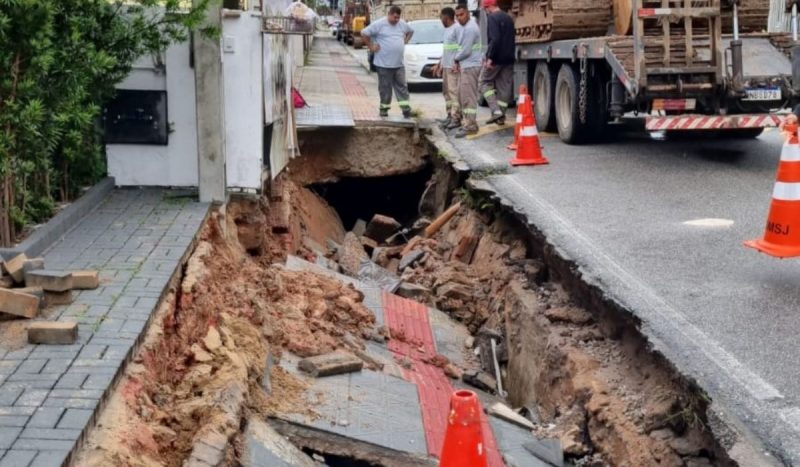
pixel 244 111
pixel 176 163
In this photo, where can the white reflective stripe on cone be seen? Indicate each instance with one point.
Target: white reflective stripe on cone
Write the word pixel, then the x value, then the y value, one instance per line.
pixel 786 191
pixel 528 131
pixel 790 152
pixel 519 118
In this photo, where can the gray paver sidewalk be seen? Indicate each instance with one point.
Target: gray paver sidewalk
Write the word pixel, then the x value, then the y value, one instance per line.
pixel 49 394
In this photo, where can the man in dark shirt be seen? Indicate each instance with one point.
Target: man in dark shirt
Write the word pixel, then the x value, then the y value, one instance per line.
pixel 497 76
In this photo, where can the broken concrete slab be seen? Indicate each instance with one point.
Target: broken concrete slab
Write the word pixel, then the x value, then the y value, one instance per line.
pixel 265 447
pixel 57 298
pixel 37 291
pixel 508 414
pixel 14 267
pixel 50 281
pixel 19 304
pixel 330 364
pixel 54 333
pixel 410 258
pixel 381 227
pixel 547 450
pixel 85 280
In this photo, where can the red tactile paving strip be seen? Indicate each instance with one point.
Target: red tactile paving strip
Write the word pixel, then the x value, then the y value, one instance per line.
pixel 350 84
pixel 412 337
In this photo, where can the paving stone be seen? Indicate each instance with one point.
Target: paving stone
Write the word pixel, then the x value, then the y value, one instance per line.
pixel 43 332
pixel 8 435
pixel 73 381
pixel 14 267
pixel 42 445
pixel 31 366
pixel 71 403
pixel 56 365
pixel 330 364
pixel 46 417
pixel 14 420
pixel 19 304
pixel 85 280
pixel 75 418
pixel 32 398
pixel 97 381
pixel 50 459
pixel 9 394
pixel 50 281
pixel 19 354
pixel 17 458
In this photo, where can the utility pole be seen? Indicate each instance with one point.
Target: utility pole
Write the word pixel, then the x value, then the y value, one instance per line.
pixel 210 111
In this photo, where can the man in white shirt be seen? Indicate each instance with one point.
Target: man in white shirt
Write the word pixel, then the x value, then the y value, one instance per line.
pixel 387 39
pixel 445 67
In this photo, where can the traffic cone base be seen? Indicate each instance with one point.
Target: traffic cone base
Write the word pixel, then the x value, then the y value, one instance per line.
pixel 782 236
pixel 529 151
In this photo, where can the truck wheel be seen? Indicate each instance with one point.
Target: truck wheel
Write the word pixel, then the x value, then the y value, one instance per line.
pixel 570 128
pixel 544 85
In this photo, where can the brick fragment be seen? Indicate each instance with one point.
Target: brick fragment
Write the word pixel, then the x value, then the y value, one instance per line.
pixel 6 282
pixel 19 304
pixel 334 363
pixel 47 332
pixel 50 281
pixel 85 280
pixel 14 267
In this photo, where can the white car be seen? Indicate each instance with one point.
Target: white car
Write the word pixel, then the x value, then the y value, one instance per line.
pixel 424 51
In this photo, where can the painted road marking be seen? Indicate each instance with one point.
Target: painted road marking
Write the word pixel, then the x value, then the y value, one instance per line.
pixel 710 223
pixel 751 382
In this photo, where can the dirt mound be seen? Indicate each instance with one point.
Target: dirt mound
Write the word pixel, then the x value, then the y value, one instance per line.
pixel 203 360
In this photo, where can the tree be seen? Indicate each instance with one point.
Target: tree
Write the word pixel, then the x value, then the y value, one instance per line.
pixel 59 63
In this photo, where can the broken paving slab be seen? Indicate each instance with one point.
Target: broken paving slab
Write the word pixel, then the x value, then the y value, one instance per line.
pixel 381 227
pixel 14 267
pixel 369 272
pixel 265 447
pixel 369 406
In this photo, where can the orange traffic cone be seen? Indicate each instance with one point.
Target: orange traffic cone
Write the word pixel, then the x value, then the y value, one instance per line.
pixel 529 151
pixel 782 237
pixel 523 107
pixel 463 441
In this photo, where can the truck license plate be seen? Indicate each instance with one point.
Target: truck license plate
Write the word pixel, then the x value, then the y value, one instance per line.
pixel 763 94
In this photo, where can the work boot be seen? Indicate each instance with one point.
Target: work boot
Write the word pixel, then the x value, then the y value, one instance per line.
pixel 444 122
pixel 497 117
pixel 453 125
pixel 462 133
pixel 384 113
pixel 406 113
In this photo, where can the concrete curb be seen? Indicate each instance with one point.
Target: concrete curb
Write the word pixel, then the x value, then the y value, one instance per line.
pixel 61 223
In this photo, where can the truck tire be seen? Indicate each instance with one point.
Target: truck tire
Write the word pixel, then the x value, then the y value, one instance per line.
pixel 543 93
pixel 570 128
pixel 744 133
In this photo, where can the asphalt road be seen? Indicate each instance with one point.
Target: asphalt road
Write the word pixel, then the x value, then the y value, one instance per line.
pixel 659 225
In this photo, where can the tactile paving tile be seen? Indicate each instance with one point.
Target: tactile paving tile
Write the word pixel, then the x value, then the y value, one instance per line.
pixel 328 115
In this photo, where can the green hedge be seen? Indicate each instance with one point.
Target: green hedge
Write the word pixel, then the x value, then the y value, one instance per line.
pixel 59 63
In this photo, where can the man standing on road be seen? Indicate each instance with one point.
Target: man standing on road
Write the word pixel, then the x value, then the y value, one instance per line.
pixel 468 66
pixel 445 68
pixel 497 76
pixel 387 39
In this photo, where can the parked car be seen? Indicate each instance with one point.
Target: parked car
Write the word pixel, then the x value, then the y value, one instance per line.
pixel 424 51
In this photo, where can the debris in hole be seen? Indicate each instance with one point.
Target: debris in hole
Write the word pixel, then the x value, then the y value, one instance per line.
pixel 381 227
